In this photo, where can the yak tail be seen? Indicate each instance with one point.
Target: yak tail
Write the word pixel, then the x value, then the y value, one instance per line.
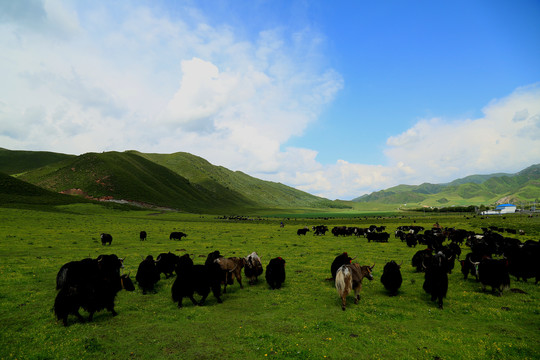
pixel 343 278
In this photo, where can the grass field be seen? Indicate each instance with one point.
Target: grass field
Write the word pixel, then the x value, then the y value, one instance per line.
pixel 303 320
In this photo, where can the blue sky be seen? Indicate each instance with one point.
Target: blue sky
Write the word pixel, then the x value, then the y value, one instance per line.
pixel 336 98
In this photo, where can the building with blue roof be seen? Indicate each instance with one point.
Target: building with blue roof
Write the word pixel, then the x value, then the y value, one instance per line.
pixel 501 209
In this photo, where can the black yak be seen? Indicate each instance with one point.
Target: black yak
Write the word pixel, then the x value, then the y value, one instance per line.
pixel 194 278
pixel 177 235
pixel 391 277
pixel 275 273
pixel 106 238
pixel 342 259
pixel 147 274
pixel 91 284
pixel 166 263
pixel 436 278
pixel 494 273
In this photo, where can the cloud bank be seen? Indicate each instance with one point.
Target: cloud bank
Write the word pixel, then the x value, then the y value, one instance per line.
pixel 83 77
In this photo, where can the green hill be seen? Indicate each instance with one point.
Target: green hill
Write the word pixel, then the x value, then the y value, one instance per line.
pixel 190 183
pixel 126 176
pixel 471 190
pixel 180 181
pixel 224 183
pixel 15 161
pixel 15 191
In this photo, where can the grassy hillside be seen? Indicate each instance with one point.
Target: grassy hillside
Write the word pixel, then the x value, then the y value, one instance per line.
pixel 127 176
pixel 190 183
pixel 14 161
pixel 179 181
pixel 471 190
pixel 14 191
pixel 224 182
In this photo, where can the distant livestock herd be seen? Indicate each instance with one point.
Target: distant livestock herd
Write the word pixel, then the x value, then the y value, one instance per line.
pixel 92 284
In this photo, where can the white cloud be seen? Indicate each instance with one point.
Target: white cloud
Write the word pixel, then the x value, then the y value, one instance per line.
pixel 154 83
pixel 90 78
pixel 506 137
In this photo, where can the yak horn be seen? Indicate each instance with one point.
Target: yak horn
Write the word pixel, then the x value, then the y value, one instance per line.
pixel 401 263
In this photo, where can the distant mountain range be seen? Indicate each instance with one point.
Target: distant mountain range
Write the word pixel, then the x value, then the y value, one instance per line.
pixel 523 186
pixel 189 183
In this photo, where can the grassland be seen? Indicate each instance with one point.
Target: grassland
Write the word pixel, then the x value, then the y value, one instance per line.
pixel 303 320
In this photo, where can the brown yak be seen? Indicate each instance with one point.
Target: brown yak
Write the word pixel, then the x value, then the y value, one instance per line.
pixel 349 277
pixel 233 269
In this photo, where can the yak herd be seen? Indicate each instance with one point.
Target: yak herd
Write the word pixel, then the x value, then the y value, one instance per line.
pixel 92 284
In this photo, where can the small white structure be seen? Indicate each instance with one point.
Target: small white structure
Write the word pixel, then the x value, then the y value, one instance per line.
pixel 501 209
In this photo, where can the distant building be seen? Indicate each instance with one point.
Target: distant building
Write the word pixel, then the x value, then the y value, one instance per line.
pixel 501 209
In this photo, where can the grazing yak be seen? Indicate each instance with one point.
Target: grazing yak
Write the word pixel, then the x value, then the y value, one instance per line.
pixel 275 273
pixel 349 277
pixel 391 277
pixel 147 274
pixel 233 270
pixel 421 258
pixel 166 264
pixel 177 235
pixel 91 284
pixel 436 278
pixel 142 235
pixel 302 231
pixel 253 267
pixel 467 265
pixel 342 259
pixel 320 229
pixel 106 238
pixel 524 261
pixel 378 236
pixel 494 273
pixel 194 278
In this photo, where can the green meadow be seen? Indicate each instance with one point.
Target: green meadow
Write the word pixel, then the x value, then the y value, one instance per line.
pixel 303 320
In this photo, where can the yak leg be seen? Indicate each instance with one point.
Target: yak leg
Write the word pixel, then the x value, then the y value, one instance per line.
pixel 226 281
pixel 193 299
pixel 216 290
pixel 201 303
pixel 110 307
pixel 357 293
pixel 239 278
pixel 343 301
pixel 78 315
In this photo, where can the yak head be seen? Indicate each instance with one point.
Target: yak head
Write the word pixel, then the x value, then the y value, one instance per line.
pixel 366 271
pixel 126 282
